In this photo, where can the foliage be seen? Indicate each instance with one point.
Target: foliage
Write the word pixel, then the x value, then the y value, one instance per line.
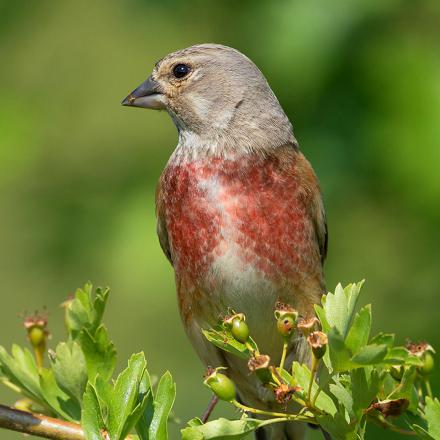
pixel 78 387
pixel 361 378
pixel 353 379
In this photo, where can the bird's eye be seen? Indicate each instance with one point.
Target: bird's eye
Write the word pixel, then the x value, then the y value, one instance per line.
pixel 181 70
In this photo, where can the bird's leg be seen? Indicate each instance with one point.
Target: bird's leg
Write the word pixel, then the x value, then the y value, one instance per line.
pixel 210 408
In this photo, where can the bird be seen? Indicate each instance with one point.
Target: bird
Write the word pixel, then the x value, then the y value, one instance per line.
pixel 240 214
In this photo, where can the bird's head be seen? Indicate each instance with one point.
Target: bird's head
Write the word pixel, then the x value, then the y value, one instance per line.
pixel 216 92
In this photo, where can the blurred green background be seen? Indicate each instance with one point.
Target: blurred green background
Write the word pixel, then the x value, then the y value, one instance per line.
pixel 359 80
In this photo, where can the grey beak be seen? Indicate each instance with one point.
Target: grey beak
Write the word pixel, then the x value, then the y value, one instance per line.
pixel 147 95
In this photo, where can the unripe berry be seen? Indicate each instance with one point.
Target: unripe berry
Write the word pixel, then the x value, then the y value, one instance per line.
pixel 285 325
pixel 287 318
pixel 428 364
pixel 221 385
pixel 37 336
pixel 240 330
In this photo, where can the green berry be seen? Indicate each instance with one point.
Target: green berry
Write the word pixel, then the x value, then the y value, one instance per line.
pixel 240 330
pixel 285 325
pixel 37 336
pixel 221 386
pixel 428 364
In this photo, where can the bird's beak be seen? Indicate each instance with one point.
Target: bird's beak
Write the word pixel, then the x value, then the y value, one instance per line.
pixel 147 95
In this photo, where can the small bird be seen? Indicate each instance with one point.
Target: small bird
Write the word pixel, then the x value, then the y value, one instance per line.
pixel 239 210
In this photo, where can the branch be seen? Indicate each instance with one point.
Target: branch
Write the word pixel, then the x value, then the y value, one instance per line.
pixel 39 425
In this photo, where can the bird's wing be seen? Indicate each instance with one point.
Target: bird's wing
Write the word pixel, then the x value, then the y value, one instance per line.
pixel 160 226
pixel 314 203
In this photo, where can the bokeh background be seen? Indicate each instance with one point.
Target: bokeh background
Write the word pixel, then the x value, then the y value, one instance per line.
pixel 361 82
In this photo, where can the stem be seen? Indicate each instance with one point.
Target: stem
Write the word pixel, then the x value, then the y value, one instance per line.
pixel 41 426
pixel 283 355
pixel 312 378
pixel 251 349
pixel 275 414
pixel 210 408
pixel 428 387
pixel 387 425
pixel 316 396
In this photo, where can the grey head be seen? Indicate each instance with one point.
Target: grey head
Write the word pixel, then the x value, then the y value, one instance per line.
pixel 218 95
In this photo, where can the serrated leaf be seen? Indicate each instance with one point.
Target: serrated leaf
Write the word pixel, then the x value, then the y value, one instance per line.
pixel 432 413
pixel 84 311
pixel 301 374
pixel 69 367
pixel 400 355
pixel 338 427
pixel 383 339
pixel 340 306
pixel 144 422
pixel 134 417
pixel 163 402
pixel 422 433
pixel 21 370
pixel 339 354
pixel 370 355
pixel 406 389
pixel 125 395
pixel 99 352
pixel 57 399
pixel 343 396
pixel 365 384
pixel 222 338
pixel 359 332
pixel 91 415
pixel 223 429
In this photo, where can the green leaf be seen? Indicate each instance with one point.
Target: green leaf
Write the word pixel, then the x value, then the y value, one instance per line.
pixel 365 384
pixel 163 402
pixel 406 389
pixel 91 416
pixel 359 332
pixel 339 354
pixel 400 355
pixel 124 397
pixel 338 427
pixel 134 417
pixel 84 311
pixel 370 355
pixel 223 429
pixel 422 433
pixel 340 306
pixel 21 370
pixel 99 352
pixel 343 396
pixel 144 422
pixel 301 374
pixel 222 338
pixel 69 367
pixel 432 413
pixel 56 398
pixel 383 339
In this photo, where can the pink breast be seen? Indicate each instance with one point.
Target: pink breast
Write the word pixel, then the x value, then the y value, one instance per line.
pixel 252 205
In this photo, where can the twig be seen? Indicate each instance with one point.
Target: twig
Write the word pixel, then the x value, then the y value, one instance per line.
pixel 39 425
pixel 210 408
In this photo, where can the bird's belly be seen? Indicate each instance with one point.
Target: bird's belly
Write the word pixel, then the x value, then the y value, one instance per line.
pixel 240 238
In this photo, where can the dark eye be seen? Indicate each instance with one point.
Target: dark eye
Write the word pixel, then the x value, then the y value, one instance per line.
pixel 181 70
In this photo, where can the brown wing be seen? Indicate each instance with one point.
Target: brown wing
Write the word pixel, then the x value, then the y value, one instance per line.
pixel 161 226
pixel 314 202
